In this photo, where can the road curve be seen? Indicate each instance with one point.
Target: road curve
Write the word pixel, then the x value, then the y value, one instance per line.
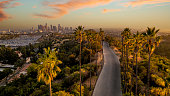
pixel 109 81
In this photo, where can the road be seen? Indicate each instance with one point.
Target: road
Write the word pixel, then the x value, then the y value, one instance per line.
pixel 15 75
pixel 109 81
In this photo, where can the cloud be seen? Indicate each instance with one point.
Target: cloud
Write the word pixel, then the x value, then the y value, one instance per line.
pixel 163 4
pixel 6 4
pixel 87 13
pixel 44 16
pixel 143 2
pixel 15 4
pixel 34 6
pixel 65 8
pixel 3 15
pixel 110 10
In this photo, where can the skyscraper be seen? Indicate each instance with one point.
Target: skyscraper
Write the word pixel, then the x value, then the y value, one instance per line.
pixel 54 28
pixel 59 27
pixel 51 27
pixel 71 29
pixel 46 27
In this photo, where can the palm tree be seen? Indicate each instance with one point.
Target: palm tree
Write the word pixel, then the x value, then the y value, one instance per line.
pixel 125 45
pixel 48 69
pixel 79 37
pixel 122 57
pixel 90 40
pixel 151 43
pixel 101 33
pixel 137 48
pixel 97 38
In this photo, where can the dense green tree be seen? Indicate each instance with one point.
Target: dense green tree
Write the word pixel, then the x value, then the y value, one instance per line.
pixel 151 42
pixel 8 55
pixel 5 73
pixel 48 69
pixel 79 37
pixel 125 44
pixel 138 42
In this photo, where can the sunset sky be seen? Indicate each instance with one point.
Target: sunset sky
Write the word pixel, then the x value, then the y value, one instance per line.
pixel 137 14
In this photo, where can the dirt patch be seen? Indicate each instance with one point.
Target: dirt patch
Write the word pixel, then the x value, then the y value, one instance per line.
pixel 139 58
pixel 117 52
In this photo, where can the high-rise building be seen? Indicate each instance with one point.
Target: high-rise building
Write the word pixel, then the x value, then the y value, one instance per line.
pixel 41 28
pixel 51 27
pixel 71 29
pixel 54 28
pixel 46 27
pixel 9 30
pixel 59 27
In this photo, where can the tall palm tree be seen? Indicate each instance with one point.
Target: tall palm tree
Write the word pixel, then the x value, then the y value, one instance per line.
pixel 97 39
pixel 138 41
pixel 48 69
pixel 101 33
pixel 125 44
pixel 122 58
pixel 90 40
pixel 79 37
pixel 151 43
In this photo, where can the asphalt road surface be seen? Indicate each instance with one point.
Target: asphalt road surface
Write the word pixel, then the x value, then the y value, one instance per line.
pixel 109 81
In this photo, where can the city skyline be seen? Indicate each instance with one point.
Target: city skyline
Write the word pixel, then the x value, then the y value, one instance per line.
pixel 136 14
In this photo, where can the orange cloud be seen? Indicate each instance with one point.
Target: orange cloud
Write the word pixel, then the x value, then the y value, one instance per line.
pixel 3 15
pixel 143 2
pixel 63 9
pixel 6 4
pixel 34 6
pixel 110 10
pixel 15 4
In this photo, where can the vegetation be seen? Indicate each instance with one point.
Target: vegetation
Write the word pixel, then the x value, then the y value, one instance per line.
pixel 135 76
pixel 8 55
pixel 48 69
pixel 5 73
pixel 64 81
pixel 63 70
pixel 164 47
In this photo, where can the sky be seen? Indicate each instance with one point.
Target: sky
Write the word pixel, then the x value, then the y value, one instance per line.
pixel 136 14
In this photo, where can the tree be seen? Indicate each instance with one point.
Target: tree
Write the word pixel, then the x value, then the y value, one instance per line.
pixel 48 69
pixel 62 93
pixel 97 38
pixel 138 42
pixel 90 40
pixel 101 33
pixel 79 37
pixel 76 89
pixel 125 44
pixel 152 41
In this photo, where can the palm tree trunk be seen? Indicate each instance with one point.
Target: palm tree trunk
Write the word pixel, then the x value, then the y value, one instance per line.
pixel 102 55
pixel 132 73
pixel 96 59
pixel 136 74
pixel 90 67
pixel 148 90
pixel 50 89
pixel 80 68
pixel 125 68
pixel 123 63
pixel 127 60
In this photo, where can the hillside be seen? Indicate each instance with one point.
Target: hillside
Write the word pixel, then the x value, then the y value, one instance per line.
pixel 164 47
